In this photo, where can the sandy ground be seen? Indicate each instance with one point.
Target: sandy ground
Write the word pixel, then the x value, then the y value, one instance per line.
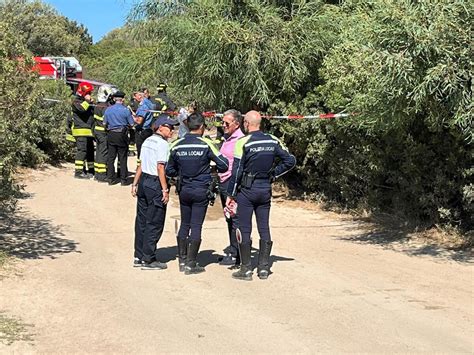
pixel 331 291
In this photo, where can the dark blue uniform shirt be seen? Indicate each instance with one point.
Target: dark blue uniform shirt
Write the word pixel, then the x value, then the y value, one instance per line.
pixel 190 160
pixel 117 116
pixel 261 155
pixel 144 111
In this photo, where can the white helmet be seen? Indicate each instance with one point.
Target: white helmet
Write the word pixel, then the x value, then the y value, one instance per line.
pixel 104 92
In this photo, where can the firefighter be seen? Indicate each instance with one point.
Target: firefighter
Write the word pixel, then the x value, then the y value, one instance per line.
pixel 161 100
pixel 82 121
pixel 104 98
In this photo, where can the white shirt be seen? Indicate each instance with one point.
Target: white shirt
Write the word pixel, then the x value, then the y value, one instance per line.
pixel 154 151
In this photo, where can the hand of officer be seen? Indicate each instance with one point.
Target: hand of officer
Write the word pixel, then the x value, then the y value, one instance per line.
pixel 88 98
pixel 166 196
pixel 134 190
pixel 229 202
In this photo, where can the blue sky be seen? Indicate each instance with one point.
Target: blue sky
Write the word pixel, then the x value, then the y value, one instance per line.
pixel 99 16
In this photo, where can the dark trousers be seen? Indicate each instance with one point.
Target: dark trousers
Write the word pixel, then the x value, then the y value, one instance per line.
pixel 140 137
pixel 232 223
pixel 150 219
pixel 84 152
pixel 117 143
pixel 256 200
pixel 193 205
pixel 100 163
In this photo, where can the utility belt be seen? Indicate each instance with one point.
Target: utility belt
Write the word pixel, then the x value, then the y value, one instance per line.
pixel 212 187
pixel 119 129
pixel 248 179
pixel 149 176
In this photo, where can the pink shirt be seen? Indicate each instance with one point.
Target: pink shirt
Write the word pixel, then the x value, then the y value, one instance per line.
pixel 227 150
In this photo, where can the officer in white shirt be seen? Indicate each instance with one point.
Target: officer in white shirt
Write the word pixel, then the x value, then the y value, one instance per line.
pixel 150 186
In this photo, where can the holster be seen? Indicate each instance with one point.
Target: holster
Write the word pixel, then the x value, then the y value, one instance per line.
pixel 179 184
pixel 247 180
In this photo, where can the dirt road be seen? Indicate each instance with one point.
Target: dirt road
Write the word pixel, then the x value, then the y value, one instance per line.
pixel 75 286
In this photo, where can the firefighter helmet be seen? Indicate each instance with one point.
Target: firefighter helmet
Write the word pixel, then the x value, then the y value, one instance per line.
pixel 105 92
pixel 161 87
pixel 84 88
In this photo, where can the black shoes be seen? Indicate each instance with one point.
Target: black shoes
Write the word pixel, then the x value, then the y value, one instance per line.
pixel 263 268
pixel 137 262
pixel 228 260
pixel 245 272
pixel 182 251
pixel 124 183
pixel 113 181
pixel 191 266
pixel 83 176
pixel 154 265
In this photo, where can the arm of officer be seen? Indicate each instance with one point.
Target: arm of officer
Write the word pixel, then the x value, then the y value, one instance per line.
pixel 237 167
pixel 135 181
pixel 130 119
pixel 222 164
pixel 287 161
pixel 172 165
pixel 163 183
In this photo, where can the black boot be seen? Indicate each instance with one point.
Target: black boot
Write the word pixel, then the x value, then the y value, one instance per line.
pixel 182 250
pixel 245 272
pixel 263 268
pixel 192 267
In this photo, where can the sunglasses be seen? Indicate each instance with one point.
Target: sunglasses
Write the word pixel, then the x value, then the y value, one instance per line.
pixel 227 124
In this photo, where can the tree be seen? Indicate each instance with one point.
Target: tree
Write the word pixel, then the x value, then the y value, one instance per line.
pixel 43 30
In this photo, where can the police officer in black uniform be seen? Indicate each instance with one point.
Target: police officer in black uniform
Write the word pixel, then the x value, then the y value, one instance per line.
pixel 259 158
pixel 117 119
pixel 189 160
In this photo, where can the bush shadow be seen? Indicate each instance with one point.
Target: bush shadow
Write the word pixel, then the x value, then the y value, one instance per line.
pixel 32 238
pixel 401 237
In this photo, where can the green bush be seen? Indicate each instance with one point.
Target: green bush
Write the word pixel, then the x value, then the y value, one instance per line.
pixel 32 130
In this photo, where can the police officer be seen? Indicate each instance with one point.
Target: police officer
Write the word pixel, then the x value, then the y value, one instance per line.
pixel 104 99
pixel 144 121
pixel 117 119
pixel 82 121
pixel 162 101
pixel 259 158
pixel 151 188
pixel 189 160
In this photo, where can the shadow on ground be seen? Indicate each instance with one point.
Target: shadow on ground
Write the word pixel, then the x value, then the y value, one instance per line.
pixel 32 238
pixel 210 256
pixel 405 239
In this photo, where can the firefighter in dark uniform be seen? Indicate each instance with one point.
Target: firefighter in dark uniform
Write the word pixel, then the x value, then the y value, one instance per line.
pixel 117 120
pixel 82 121
pixel 259 158
pixel 104 99
pixel 162 101
pixel 189 160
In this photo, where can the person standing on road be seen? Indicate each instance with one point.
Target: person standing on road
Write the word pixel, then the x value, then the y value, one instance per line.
pixel 104 100
pixel 144 116
pixel 117 120
pixel 189 160
pixel 231 122
pixel 82 121
pixel 150 186
pixel 259 158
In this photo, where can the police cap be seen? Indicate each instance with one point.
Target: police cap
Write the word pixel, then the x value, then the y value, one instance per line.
pixel 119 93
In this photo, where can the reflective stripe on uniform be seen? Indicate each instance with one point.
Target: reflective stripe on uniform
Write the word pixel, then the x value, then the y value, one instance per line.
pixel 85 105
pixel 82 132
pixel 99 128
pixel 99 118
pixel 79 164
pixel 70 137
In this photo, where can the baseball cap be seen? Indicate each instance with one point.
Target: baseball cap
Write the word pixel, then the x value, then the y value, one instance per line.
pixel 164 119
